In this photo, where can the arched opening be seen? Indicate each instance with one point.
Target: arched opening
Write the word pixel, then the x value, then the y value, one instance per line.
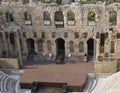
pixel 90 47
pixel 60 50
pixel 71 46
pixel 81 47
pixel 40 45
pixel 59 21
pixel 9 17
pixel 30 46
pixel 113 17
pixel 91 18
pixel 49 47
pixel 46 16
pixel 60 46
pixel 71 18
pixel 28 18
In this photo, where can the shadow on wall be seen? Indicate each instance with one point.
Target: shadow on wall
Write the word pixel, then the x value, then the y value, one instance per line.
pixel 9 63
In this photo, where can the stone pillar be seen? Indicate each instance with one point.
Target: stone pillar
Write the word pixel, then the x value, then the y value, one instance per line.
pixel 5 42
pixel 30 2
pixel 36 46
pixel 65 19
pixel 85 47
pixel 66 48
pixel 52 19
pixel 97 49
pixel 8 40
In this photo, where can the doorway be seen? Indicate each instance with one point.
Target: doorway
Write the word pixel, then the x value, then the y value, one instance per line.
pixel 60 50
pixel 30 45
pixel 60 46
pixel 90 48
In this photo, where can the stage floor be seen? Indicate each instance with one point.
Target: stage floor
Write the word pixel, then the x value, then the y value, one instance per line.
pixel 72 74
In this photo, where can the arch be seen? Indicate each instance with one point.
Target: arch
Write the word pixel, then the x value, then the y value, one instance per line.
pixel 30 45
pixel 59 19
pixel 28 18
pixel 60 46
pixel 46 15
pixel 9 17
pixel 90 47
pixel 81 47
pixel 40 45
pixel 71 46
pixel 27 15
pixel 91 16
pixel 70 16
pixel 49 46
pixel 113 17
pixel 58 16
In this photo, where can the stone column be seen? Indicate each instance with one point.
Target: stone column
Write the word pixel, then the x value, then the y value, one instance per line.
pixel 65 19
pixel 52 19
pixel 30 2
pixel 8 40
pixel 85 47
pixel 36 46
pixel 97 49
pixel 5 42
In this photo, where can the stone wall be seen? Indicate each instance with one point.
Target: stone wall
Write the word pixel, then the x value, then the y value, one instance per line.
pixel 9 63
pixel 81 26
pixel 105 67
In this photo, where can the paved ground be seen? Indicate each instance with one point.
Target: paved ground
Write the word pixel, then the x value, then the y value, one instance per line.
pixel 73 74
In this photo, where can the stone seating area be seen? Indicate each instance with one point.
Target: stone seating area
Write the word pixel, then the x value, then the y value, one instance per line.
pixel 108 85
pixel 9 84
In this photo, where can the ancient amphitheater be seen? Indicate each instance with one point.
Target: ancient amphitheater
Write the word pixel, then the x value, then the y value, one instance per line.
pixel 60 33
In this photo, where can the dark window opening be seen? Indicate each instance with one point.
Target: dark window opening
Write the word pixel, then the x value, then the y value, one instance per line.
pixel 24 34
pixel 53 34
pixel 118 35
pixel 85 34
pixel 76 34
pixel 34 34
pixel 66 34
pixel 102 39
pixel 43 34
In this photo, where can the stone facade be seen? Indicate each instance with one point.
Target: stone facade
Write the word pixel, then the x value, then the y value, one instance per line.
pixel 42 36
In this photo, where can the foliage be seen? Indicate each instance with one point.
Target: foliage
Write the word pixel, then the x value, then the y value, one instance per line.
pixel 91 16
pixel 112 16
pixel 46 15
pixel 71 15
pixel 27 16
pixel 15 0
pixel 26 1
pixel 95 1
pixel 47 1
pixel 58 1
